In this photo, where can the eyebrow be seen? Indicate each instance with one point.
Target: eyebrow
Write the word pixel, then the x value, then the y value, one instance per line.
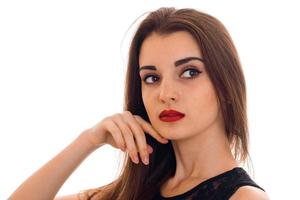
pixel 177 63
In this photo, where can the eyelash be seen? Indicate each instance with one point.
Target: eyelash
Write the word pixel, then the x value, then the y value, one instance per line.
pixel 184 70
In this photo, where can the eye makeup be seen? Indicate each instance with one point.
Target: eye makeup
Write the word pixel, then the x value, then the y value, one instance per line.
pixel 185 69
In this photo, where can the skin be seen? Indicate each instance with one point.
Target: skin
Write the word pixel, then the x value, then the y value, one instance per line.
pixel 200 144
pixel 199 141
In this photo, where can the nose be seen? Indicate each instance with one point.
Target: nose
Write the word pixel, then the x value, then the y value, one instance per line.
pixel 168 92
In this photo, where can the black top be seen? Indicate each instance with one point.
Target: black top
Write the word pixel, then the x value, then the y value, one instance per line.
pixel 220 187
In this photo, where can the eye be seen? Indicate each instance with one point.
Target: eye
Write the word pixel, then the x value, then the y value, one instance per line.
pixel 149 77
pixel 188 72
pixel 192 72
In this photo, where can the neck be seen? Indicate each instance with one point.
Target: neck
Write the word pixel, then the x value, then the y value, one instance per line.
pixel 203 156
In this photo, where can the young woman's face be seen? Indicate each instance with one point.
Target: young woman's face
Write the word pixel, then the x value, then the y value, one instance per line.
pixel 184 86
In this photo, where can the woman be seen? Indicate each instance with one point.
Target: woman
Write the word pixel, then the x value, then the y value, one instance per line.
pixel 184 125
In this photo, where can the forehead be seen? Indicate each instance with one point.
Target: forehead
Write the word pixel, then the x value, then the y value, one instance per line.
pixel 169 47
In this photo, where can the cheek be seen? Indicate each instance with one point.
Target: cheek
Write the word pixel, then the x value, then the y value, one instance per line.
pixel 151 106
pixel 211 100
pixel 148 102
pixel 204 107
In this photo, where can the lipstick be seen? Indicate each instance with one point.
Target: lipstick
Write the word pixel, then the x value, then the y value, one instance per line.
pixel 170 115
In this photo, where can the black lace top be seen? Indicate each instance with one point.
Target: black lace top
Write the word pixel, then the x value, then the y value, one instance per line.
pixel 220 187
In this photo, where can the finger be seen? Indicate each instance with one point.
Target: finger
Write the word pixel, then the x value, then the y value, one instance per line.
pixel 128 137
pixel 149 149
pixel 139 135
pixel 116 134
pixel 150 130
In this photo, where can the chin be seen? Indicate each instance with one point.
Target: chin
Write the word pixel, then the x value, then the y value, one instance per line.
pixel 173 135
pixel 169 131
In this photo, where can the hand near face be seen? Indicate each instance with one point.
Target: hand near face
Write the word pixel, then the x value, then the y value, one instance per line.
pixel 126 132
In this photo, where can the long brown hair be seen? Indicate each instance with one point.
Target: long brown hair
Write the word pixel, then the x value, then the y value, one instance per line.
pixel 142 182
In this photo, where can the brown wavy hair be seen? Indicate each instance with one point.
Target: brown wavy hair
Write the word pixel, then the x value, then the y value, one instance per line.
pixel 143 182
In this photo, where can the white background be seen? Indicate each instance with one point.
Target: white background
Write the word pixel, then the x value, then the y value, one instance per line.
pixel 62 69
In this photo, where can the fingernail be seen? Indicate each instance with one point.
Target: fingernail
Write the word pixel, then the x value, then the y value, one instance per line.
pixel 151 150
pixel 136 159
pixel 165 140
pixel 146 160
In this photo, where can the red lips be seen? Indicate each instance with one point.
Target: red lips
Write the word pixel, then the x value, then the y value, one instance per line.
pixel 170 115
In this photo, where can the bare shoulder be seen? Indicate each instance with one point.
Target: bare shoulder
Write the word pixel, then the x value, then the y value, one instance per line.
pixel 68 197
pixel 97 193
pixel 249 193
pixel 83 195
